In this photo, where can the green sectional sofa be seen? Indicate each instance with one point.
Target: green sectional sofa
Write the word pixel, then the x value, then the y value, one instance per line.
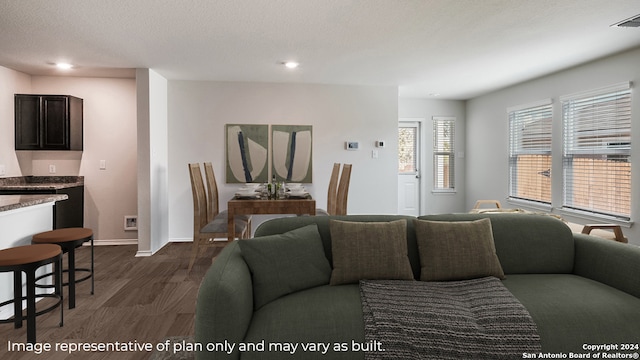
pixel 582 292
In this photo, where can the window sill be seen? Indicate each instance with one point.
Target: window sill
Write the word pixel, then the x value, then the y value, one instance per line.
pixel 443 192
pixel 595 218
pixel 530 205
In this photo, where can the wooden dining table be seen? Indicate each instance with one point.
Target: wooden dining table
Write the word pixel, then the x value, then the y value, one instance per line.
pixel 295 206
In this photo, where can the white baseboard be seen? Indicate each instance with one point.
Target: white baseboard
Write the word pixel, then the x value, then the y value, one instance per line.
pixel 104 242
pixel 144 253
pixel 191 239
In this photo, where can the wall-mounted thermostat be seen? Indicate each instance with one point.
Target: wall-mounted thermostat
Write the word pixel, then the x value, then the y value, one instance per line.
pixel 352 145
pixel 380 143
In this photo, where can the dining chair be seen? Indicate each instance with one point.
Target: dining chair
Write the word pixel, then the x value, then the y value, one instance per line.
pixel 204 231
pixel 343 190
pixel 213 209
pixel 332 193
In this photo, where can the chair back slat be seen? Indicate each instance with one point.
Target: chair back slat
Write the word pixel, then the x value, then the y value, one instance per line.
pixel 343 190
pixel 212 192
pixel 332 193
pixel 199 198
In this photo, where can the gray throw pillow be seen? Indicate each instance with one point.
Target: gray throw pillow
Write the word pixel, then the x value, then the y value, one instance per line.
pixel 285 263
pixel 457 250
pixel 369 250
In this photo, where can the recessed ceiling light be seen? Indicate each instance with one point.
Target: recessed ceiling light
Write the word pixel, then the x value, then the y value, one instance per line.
pixel 291 64
pixel 434 94
pixel 64 66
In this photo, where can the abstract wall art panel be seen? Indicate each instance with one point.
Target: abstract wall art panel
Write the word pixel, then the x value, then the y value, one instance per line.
pixel 247 153
pixel 291 152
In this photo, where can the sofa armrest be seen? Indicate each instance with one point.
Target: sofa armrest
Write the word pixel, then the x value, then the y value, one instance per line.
pixel 225 303
pixel 608 262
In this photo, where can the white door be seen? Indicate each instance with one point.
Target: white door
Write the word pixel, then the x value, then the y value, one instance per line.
pixel 408 168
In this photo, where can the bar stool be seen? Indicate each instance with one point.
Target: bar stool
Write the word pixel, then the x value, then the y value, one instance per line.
pixel 69 239
pixel 28 259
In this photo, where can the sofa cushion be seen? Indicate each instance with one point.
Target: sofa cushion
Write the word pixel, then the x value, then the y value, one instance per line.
pixel 284 224
pixel 324 314
pixel 283 263
pixel 571 311
pixel 456 250
pixel 369 250
pixel 526 243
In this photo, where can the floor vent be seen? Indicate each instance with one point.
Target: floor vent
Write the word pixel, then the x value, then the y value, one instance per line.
pixel 631 22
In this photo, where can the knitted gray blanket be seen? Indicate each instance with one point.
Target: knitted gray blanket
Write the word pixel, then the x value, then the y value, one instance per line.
pixel 471 319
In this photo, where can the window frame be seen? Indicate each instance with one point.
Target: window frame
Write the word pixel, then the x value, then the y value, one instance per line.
pixel 591 141
pixel 540 144
pixel 439 151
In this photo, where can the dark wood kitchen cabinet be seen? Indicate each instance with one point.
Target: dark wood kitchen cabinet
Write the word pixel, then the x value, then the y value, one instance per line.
pixel 48 122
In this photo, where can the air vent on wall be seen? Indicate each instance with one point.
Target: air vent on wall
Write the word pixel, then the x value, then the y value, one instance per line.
pixel 630 22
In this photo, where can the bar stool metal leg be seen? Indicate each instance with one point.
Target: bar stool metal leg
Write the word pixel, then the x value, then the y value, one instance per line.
pixel 92 273
pixel 17 294
pixel 72 277
pixel 58 287
pixel 31 306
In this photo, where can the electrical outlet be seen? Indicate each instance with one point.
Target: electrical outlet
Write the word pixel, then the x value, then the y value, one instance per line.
pixel 2 170
pixel 52 169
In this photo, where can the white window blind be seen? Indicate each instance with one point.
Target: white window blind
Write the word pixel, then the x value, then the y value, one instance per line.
pixel 597 151
pixel 530 152
pixel 443 153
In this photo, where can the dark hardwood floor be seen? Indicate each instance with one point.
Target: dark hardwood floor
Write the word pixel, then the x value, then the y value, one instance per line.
pixel 145 299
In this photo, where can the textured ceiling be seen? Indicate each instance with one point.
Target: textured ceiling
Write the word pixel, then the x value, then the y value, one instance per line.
pixel 456 48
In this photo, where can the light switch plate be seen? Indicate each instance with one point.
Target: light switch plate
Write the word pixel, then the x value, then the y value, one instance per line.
pixel 103 164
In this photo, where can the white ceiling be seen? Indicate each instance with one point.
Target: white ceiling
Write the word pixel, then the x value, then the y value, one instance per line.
pixel 456 48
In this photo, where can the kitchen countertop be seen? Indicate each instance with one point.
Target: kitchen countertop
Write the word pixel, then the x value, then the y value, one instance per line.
pixel 40 182
pixel 12 202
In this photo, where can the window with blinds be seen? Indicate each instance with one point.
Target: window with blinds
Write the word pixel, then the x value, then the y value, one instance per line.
pixel 530 152
pixel 597 150
pixel 443 153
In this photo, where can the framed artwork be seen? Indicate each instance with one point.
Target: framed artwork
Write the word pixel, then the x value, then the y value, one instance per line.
pixel 291 152
pixel 246 147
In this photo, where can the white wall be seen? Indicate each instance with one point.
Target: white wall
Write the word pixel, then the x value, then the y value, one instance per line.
pixel 426 109
pixel 109 134
pixel 153 211
pixel 11 82
pixel 198 112
pixel 109 126
pixel 488 141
